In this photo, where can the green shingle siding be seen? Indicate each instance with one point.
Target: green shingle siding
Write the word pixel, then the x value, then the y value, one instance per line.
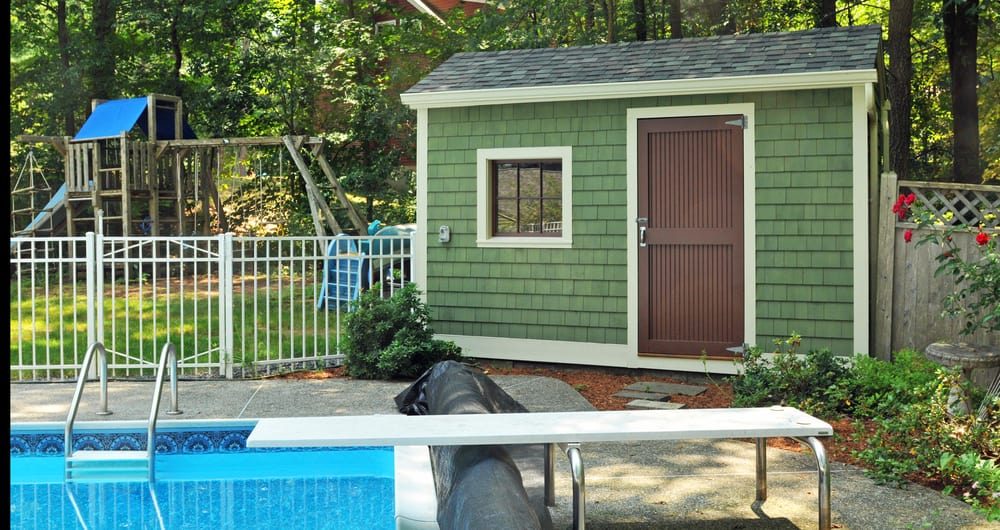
pixel 803 220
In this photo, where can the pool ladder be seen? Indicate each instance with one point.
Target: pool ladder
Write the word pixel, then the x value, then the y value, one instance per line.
pixel 117 465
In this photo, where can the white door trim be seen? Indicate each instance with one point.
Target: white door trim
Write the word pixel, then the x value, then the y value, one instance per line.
pixel 749 209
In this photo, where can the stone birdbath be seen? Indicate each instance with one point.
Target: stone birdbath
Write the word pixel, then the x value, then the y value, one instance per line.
pixel 966 356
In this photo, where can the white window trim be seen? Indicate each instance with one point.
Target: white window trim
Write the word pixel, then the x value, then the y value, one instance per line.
pixel 484 238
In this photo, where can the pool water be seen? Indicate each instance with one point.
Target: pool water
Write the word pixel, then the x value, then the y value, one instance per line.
pixel 204 480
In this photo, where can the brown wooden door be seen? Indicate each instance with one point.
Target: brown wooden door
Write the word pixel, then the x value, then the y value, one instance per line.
pixel 691 254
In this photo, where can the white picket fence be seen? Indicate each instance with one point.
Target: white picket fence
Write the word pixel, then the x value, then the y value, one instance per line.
pixel 233 306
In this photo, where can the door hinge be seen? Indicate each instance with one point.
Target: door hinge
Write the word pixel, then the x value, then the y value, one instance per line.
pixel 741 122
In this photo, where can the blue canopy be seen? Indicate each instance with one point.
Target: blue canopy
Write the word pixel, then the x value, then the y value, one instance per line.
pixel 116 116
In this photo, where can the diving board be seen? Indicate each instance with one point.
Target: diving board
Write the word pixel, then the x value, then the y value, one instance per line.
pixel 571 428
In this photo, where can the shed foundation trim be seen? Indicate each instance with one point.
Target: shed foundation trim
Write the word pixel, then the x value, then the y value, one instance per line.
pixel 585 353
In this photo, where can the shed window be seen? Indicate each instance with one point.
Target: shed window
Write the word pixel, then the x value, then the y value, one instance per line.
pixel 527 198
pixel 524 197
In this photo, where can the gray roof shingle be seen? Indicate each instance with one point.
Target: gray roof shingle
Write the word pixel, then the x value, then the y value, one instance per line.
pixel 810 51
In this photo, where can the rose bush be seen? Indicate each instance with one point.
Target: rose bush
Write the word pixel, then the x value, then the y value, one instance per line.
pixel 976 299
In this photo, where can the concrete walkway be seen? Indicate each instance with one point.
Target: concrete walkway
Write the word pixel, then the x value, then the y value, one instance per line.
pixel 630 486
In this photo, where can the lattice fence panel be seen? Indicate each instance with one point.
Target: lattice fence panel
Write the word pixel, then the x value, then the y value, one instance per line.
pixel 957 204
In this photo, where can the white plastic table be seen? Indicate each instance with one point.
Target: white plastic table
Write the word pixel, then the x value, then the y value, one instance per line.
pixel 570 428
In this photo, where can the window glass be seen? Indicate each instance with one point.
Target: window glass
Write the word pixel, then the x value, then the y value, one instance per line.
pixel 551 179
pixel 527 198
pixel 530 216
pixel 506 216
pixel 506 180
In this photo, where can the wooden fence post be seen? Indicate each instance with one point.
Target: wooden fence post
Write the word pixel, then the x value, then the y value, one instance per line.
pixel 884 269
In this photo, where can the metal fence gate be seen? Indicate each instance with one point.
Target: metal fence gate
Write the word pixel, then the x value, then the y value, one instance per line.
pixel 232 306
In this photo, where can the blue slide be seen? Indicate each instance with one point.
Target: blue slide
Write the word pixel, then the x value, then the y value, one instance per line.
pixel 48 211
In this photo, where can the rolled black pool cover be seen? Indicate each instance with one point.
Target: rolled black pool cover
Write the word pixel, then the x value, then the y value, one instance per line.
pixel 478 487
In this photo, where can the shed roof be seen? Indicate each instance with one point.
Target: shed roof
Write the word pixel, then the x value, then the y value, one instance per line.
pixel 842 49
pixel 113 117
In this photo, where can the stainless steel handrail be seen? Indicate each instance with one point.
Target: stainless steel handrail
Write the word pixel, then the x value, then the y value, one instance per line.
pixel 74 406
pixel 169 352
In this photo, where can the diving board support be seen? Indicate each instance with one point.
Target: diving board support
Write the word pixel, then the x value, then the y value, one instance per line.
pixel 579 486
pixel 761 468
pixel 823 465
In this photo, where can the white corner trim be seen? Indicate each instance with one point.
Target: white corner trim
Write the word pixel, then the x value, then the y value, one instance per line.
pixel 582 353
pixel 636 89
pixel 859 200
pixel 484 238
pixel 749 209
pixel 420 243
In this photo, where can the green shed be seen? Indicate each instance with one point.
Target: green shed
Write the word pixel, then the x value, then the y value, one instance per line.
pixel 651 204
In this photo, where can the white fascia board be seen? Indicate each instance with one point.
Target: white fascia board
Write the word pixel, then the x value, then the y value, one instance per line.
pixel 677 87
pixel 423 8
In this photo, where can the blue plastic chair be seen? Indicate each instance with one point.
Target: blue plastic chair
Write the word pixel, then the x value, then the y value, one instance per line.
pixel 344 272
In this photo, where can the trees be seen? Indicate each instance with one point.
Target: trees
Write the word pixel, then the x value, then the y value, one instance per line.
pixel 899 78
pixel 960 19
pixel 266 67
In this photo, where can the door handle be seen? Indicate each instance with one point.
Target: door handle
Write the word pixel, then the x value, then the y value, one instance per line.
pixel 642 230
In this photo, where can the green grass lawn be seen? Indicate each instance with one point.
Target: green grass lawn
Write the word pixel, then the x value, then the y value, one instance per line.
pixel 271 322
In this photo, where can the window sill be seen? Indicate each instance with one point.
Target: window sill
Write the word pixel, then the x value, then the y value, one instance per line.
pixel 525 242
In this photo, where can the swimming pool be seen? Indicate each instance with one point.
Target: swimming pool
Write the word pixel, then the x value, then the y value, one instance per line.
pixel 206 477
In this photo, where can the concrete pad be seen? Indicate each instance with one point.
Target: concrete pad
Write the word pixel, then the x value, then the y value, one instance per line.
pixel 644 404
pixel 666 388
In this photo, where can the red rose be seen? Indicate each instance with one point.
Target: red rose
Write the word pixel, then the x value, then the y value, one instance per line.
pixel 900 208
pixel 908 235
pixel 910 198
pixel 982 238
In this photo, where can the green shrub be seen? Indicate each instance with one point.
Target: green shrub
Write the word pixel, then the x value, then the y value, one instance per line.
pixel 817 382
pixel 924 435
pixel 907 401
pixel 979 480
pixel 391 338
pixel 882 388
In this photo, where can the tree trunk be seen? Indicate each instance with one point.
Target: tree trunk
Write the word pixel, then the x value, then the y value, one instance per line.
pixel 69 121
pixel 176 51
pixel 900 76
pixel 676 30
pixel 102 74
pixel 961 20
pixel 640 19
pixel 610 14
pixel 826 13
pixel 588 21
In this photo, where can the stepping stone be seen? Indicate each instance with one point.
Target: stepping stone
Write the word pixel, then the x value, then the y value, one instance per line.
pixel 633 394
pixel 666 388
pixel 645 404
